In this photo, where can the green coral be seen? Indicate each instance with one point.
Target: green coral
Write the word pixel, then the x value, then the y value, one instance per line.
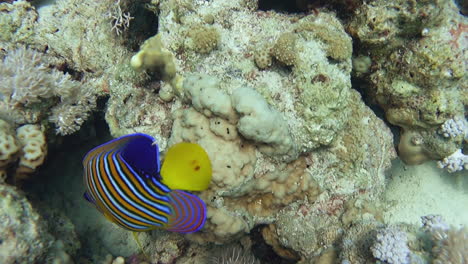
pixel 418 72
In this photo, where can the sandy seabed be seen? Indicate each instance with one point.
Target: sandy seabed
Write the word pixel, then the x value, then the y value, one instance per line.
pixel 415 191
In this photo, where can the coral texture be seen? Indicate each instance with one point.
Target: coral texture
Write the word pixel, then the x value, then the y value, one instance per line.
pixel 21 153
pixel 391 246
pixel 24 238
pixel 451 246
pixel 30 89
pixel 418 74
pixel 289 139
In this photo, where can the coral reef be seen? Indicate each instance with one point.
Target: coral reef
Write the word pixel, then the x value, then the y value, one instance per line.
pixel 295 151
pixel 450 244
pixel 234 255
pixel 24 237
pixel 17 21
pixel 9 148
pixel 418 70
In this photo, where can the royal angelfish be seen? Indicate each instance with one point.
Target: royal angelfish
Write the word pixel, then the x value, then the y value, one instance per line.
pixel 123 181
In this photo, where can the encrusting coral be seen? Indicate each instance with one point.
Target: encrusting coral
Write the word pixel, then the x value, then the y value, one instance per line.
pixel 9 148
pixel 33 150
pixel 418 75
pixel 391 246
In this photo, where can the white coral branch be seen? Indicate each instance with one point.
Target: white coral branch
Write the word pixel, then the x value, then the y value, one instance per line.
pixel 120 21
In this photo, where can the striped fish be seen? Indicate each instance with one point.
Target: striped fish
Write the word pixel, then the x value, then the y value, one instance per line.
pixel 122 180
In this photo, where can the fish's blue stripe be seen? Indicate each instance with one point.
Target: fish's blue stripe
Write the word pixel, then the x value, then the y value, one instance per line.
pixel 126 198
pixel 149 189
pixel 129 184
pixel 139 178
pixel 189 220
pixel 114 203
pixel 102 200
pixel 161 186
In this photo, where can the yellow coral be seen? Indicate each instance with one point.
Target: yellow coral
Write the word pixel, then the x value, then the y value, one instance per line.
pixel 154 57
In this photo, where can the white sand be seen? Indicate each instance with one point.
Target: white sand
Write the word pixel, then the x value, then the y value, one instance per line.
pixel 425 189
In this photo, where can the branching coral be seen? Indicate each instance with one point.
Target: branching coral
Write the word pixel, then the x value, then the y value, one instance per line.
pixel 451 246
pixel 450 243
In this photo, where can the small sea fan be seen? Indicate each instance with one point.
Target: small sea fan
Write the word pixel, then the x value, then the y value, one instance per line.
pixel 235 255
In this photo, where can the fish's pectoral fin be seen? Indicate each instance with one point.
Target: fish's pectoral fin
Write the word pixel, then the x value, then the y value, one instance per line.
pixel 88 198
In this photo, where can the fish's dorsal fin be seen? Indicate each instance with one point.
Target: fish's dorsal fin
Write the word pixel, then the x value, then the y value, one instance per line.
pixel 142 153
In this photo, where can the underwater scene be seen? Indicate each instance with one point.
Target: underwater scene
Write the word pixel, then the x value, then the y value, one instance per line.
pixel 233 132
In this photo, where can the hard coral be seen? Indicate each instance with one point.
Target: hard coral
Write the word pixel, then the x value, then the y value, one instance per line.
pixel 204 39
pixel 24 238
pixel 391 246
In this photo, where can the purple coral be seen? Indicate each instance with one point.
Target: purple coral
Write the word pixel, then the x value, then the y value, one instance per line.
pixel 391 246
pixel 434 222
pixel 455 162
pixel 455 127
